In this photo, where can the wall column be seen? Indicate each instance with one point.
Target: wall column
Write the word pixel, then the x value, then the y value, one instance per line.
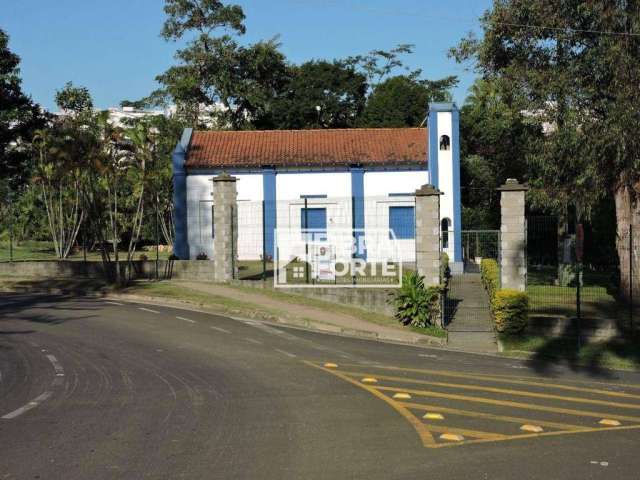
pixel 513 267
pixel 181 241
pixel 225 228
pixel 428 234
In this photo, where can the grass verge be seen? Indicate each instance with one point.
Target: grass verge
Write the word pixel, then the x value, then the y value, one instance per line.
pixel 617 353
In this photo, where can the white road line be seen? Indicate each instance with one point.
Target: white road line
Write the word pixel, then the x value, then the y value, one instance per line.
pixel 291 355
pixel 219 329
pixel 147 310
pixel 56 365
pixel 32 404
pixel 115 303
pixel 253 340
pixel 186 320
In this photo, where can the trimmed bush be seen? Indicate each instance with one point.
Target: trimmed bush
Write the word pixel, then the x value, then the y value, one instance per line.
pixel 510 311
pixel 416 304
pixel 489 272
pixel 445 271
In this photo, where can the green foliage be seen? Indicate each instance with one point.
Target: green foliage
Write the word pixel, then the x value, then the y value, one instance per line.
pixel 445 271
pixel 416 305
pixel 490 275
pixel 74 100
pixel 401 101
pixel 510 311
pixel 320 94
pixel 19 117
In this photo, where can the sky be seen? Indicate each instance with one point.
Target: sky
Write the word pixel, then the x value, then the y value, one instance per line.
pixel 114 48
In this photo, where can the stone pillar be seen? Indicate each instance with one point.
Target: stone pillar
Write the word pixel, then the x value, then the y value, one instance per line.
pixel 428 234
pixel 225 228
pixel 513 267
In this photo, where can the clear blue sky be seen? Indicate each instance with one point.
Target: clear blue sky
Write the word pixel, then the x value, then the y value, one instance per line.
pixel 113 47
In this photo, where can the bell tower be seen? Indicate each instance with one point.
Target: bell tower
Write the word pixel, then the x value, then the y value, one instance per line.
pixel 444 174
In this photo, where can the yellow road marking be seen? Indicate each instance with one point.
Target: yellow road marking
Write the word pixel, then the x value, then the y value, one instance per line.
pixel 544 434
pixel 402 396
pixel 465 432
pixel 433 416
pixel 369 380
pixel 609 422
pixel 491 416
pixel 505 391
pixel 531 428
pixel 425 435
pixel 516 380
pixel 507 403
pixel 450 437
pixel 330 365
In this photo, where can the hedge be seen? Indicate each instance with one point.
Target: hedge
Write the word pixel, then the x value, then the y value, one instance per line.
pixel 510 311
pixel 489 273
pixel 510 308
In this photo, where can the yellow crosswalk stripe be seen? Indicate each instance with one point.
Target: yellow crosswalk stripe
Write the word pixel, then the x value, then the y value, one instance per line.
pixel 505 391
pixel 507 403
pixel 516 380
pixel 490 416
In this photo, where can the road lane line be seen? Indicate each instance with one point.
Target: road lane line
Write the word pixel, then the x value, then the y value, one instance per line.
pixel 480 388
pixel 464 432
pixel 218 329
pixel 186 319
pixel 253 340
pixel 114 303
pixel 25 408
pixel 425 436
pixel 148 310
pixel 290 355
pixel 507 403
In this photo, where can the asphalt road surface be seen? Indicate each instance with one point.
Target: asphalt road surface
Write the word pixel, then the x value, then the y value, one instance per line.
pixel 92 389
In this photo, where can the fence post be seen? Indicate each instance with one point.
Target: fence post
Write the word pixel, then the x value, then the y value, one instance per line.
pixel 264 242
pixel 225 225
pixel 157 237
pixel 513 269
pixel 631 325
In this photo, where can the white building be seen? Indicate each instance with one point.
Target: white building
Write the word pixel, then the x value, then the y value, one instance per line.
pixel 329 180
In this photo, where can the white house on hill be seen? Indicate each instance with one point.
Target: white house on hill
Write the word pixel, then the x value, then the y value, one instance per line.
pixel 350 178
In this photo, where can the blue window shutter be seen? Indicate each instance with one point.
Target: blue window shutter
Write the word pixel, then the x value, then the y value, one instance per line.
pixel 402 221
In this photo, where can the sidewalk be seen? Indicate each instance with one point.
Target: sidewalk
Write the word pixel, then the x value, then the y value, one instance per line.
pixel 283 308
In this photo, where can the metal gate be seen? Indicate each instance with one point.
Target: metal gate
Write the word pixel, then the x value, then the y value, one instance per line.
pixel 466 304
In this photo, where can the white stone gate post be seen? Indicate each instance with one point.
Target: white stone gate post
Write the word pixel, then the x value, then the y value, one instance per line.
pixel 513 267
pixel 225 228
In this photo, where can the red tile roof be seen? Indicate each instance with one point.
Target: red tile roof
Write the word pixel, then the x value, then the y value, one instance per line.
pixel 298 148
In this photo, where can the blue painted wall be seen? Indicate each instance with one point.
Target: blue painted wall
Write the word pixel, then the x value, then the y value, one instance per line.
pixel 181 242
pixel 433 147
pixel 270 210
pixel 357 194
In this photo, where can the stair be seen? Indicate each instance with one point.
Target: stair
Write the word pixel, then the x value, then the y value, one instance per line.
pixel 471 325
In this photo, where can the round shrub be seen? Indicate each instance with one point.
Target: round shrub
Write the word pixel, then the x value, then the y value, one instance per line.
pixel 510 311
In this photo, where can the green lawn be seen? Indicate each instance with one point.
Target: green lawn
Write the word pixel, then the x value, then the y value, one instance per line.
pixel 43 251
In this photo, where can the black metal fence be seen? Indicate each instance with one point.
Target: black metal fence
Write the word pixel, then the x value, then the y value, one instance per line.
pixel 568 278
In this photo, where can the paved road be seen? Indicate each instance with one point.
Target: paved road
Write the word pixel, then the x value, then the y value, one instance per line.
pixel 92 389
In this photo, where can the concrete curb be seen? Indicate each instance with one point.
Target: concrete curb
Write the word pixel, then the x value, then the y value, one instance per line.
pixel 303 323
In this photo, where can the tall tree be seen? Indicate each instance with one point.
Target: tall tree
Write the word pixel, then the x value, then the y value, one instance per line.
pixel 574 66
pixel 320 94
pixel 19 118
pixel 74 100
pixel 236 82
pixel 402 101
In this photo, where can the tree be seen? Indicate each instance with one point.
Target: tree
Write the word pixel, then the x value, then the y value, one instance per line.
pixel 74 100
pixel 402 101
pixel 496 144
pixel 19 118
pixel 238 81
pixel 574 66
pixel 320 94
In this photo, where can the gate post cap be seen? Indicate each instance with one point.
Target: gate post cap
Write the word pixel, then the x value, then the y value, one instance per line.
pixel 224 177
pixel 512 185
pixel 427 191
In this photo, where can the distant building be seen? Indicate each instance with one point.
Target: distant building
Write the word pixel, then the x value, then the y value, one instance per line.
pixel 359 178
